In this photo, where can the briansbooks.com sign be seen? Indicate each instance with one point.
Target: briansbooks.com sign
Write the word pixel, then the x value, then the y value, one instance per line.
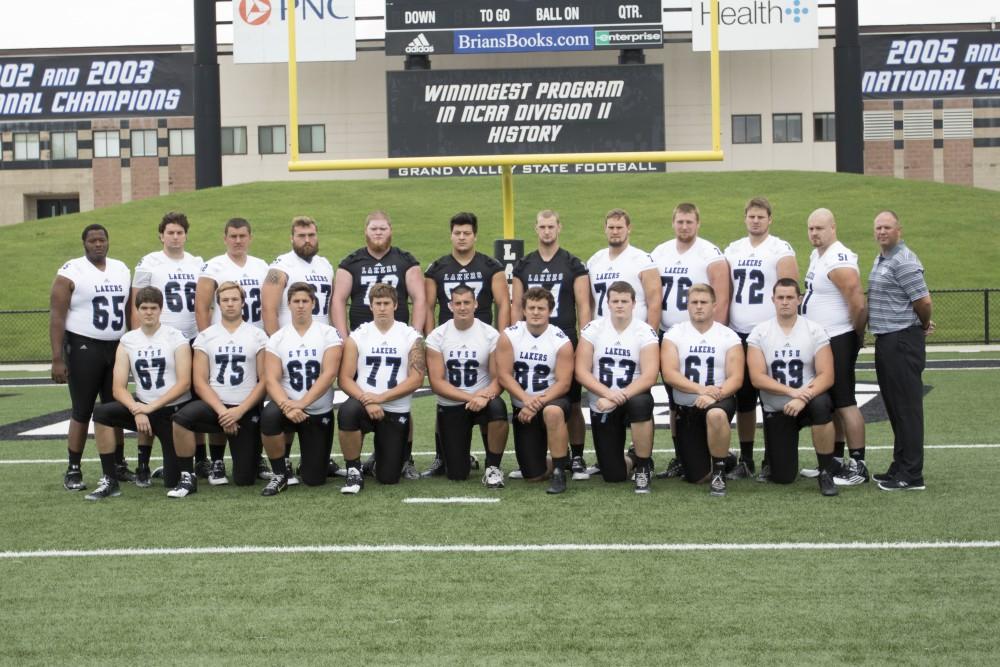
pixel 521 111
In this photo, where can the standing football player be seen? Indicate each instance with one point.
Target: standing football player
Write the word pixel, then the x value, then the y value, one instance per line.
pixel 623 261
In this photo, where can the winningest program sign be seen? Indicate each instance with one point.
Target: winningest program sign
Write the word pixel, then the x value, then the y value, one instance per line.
pixel 931 65
pixel 504 112
pixel 137 84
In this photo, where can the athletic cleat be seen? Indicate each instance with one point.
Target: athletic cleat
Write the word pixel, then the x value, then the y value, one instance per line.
pixel 107 487
pixel 143 477
pixel 473 462
pixel 809 473
pixel 826 484
pixel 744 470
pixel 184 488
pixel 218 475
pixel 851 474
pixel 355 482
pixel 674 469
pixel 902 485
pixel 290 479
pixel 334 470
pixel 157 473
pixel 122 473
pixel 642 481
pixel 717 487
pixel 764 475
pixel 274 486
pixel 436 469
pixel 410 471
pixel 591 470
pixel 579 468
pixel 493 478
pixel 202 469
pixel 264 469
pixel 73 479
pixel 515 474
pixel 558 482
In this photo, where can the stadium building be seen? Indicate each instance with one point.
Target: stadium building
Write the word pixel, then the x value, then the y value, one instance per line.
pixel 89 128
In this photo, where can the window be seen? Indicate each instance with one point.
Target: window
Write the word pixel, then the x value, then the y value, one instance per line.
pixel 312 138
pixel 824 127
pixel 787 128
pixel 144 143
pixel 746 129
pixel 271 139
pixel 63 145
pixel 26 145
pixel 234 141
pixel 106 144
pixel 182 141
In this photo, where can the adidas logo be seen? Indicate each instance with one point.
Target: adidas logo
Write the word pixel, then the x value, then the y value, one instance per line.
pixel 419 45
pixel 545 270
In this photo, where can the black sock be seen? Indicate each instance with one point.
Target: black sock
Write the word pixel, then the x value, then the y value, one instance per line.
pixel 719 464
pixel 858 454
pixel 120 453
pixel 677 453
pixel 353 463
pixel 577 450
pixel 145 452
pixel 199 452
pixel 186 463
pixel 825 461
pixel 838 449
pixel 108 465
pixel 278 466
pixel 288 450
pixel 560 462
pixel 438 450
pixel 74 458
pixel 493 459
pixel 746 450
pixel 217 452
pixel 642 462
pixel 408 451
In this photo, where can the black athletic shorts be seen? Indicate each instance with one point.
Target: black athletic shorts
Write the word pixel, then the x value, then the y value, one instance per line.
pixel 531 443
pixel 91 364
pixel 455 423
pixel 608 429
pixel 199 417
pixel 391 435
pixel 845 349
pixel 117 415
pixel 692 437
pixel 747 395
pixel 315 440
pixel 781 433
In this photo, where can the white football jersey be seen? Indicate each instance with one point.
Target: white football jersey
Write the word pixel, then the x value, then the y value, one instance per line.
pixel 790 358
pixel 535 357
pixel 823 302
pixel 232 360
pixel 617 353
pixel 250 277
pixel 754 272
pixel 154 366
pixel 97 306
pixel 383 360
pixel 626 266
pixel 177 279
pixel 318 273
pixel 680 270
pixel 702 356
pixel 302 361
pixel 466 355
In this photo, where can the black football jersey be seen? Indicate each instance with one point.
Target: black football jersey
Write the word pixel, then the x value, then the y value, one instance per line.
pixel 557 276
pixel 478 274
pixel 365 271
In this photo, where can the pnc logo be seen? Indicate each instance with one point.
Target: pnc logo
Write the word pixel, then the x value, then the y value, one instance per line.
pixel 255 12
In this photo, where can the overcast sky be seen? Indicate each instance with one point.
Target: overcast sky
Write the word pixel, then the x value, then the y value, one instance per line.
pixel 72 23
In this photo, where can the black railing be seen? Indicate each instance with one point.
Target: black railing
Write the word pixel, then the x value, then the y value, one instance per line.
pixel 960 316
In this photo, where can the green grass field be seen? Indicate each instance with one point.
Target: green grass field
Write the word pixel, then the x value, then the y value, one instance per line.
pixel 595 600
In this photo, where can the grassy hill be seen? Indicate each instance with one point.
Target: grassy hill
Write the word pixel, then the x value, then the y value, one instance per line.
pixel 952 228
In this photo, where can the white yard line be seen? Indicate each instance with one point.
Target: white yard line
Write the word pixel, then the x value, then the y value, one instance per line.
pixel 450 500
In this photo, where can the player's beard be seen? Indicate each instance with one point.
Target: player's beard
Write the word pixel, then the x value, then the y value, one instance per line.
pixel 306 254
pixel 379 247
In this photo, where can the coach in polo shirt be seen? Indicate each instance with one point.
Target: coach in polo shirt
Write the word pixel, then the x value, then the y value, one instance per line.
pixel 899 316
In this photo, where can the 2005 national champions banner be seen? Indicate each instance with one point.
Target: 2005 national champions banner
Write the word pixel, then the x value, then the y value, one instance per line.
pixel 136 84
pixel 543 110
